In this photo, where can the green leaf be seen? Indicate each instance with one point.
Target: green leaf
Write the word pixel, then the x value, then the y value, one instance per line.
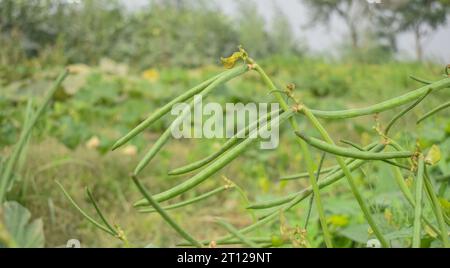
pixel 16 230
pixel 357 233
pixel 434 155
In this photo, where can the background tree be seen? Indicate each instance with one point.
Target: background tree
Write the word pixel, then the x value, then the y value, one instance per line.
pixel 251 27
pixel 352 12
pixel 421 17
pixel 282 36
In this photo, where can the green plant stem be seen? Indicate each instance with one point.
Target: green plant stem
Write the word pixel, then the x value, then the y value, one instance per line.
pixel 383 106
pixel 99 212
pixel 437 210
pixel 237 234
pixel 244 196
pixel 187 202
pixel 319 206
pixel 167 134
pixel 418 202
pixel 348 175
pixel 404 111
pixel 303 146
pixel 434 111
pixel 12 161
pixel 408 195
pixel 82 212
pixel 164 214
pixel 420 80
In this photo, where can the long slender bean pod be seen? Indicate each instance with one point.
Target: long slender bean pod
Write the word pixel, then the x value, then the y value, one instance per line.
pixel 350 180
pixel 187 202
pixel 305 175
pixel 434 111
pixel 336 150
pixel 237 234
pixel 330 170
pixel 214 167
pixel 308 213
pixel 437 210
pixel 164 110
pixel 82 212
pixel 227 145
pixel 12 161
pixel 390 162
pixel 164 214
pixel 166 135
pixel 383 106
pixel 319 206
pixel 404 111
pixel 156 147
pixel 418 201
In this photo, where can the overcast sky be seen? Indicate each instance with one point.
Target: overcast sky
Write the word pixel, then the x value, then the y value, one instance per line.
pixel 323 38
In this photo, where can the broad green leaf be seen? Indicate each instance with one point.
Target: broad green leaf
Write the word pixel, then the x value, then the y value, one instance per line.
pixel 357 233
pixel 16 230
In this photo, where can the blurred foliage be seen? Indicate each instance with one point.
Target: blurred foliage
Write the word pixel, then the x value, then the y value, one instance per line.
pixel 15 229
pixel 159 34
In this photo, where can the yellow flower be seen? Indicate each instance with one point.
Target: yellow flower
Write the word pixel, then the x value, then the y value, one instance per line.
pixel 151 75
pixel 338 220
pixel 231 61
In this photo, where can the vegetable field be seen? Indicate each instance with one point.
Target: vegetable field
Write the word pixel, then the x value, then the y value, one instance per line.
pixel 87 151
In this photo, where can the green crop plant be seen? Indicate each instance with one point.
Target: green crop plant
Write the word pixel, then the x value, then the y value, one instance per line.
pixel 15 229
pixel 385 150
